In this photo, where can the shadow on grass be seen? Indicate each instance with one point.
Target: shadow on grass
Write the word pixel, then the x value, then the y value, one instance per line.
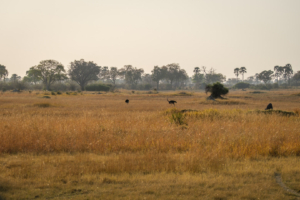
pixel 4 187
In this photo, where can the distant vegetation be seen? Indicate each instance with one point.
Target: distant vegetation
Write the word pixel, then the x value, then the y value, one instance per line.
pixel 83 75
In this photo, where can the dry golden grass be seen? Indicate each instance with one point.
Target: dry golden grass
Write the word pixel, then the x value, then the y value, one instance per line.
pixel 97 140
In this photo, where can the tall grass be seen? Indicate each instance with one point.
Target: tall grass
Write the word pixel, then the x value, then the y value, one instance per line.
pixel 144 136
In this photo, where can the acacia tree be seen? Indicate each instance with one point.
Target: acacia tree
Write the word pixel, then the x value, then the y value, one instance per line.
pixel 265 76
pixel 82 72
pixel 237 73
pixel 50 71
pixel 242 71
pixel 3 72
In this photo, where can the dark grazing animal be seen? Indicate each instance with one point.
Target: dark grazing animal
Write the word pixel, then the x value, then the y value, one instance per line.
pixel 171 102
pixel 127 101
pixel 269 106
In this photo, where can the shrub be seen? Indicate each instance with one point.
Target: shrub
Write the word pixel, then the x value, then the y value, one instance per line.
pixel 242 85
pixel 59 92
pixel 97 87
pixel 178 118
pixel 216 90
pixel 52 93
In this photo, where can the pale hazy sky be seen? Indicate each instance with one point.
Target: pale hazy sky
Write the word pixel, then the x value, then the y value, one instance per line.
pixel 223 34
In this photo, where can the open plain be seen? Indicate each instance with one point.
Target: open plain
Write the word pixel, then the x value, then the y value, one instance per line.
pixel 95 146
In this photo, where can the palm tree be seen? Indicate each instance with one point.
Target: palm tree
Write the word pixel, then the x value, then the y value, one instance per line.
pixel 237 73
pixel 196 70
pixel 243 70
pixel 3 72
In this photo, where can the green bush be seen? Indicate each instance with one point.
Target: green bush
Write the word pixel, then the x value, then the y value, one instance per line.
pixel 178 118
pixel 216 90
pixel 97 87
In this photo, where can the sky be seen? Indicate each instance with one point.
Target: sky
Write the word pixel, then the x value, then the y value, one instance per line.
pixel 222 34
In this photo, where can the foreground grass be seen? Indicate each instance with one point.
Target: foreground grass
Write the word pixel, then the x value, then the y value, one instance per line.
pixel 66 176
pixel 95 145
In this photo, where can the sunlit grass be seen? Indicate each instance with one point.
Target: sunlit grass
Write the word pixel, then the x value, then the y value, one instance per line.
pixel 146 136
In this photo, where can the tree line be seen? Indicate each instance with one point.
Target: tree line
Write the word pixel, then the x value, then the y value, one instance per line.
pixel 170 76
pixel 83 72
pixel 280 75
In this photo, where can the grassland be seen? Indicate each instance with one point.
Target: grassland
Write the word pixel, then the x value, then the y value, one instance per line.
pixel 94 146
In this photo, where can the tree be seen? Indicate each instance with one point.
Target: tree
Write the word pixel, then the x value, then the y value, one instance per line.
pixel 82 72
pixel 3 72
pixel 197 70
pixel 250 79
pixel 256 78
pixel 216 90
pixel 265 76
pixel 237 72
pixel 132 75
pixel 15 78
pixel 242 71
pixel 278 71
pixel 104 73
pixel 157 75
pixel 288 71
pixel 113 73
pixel 50 71
pixel 172 74
pixel 296 77
pixel 213 78
pixel 197 78
pixel 32 75
pixel 181 77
